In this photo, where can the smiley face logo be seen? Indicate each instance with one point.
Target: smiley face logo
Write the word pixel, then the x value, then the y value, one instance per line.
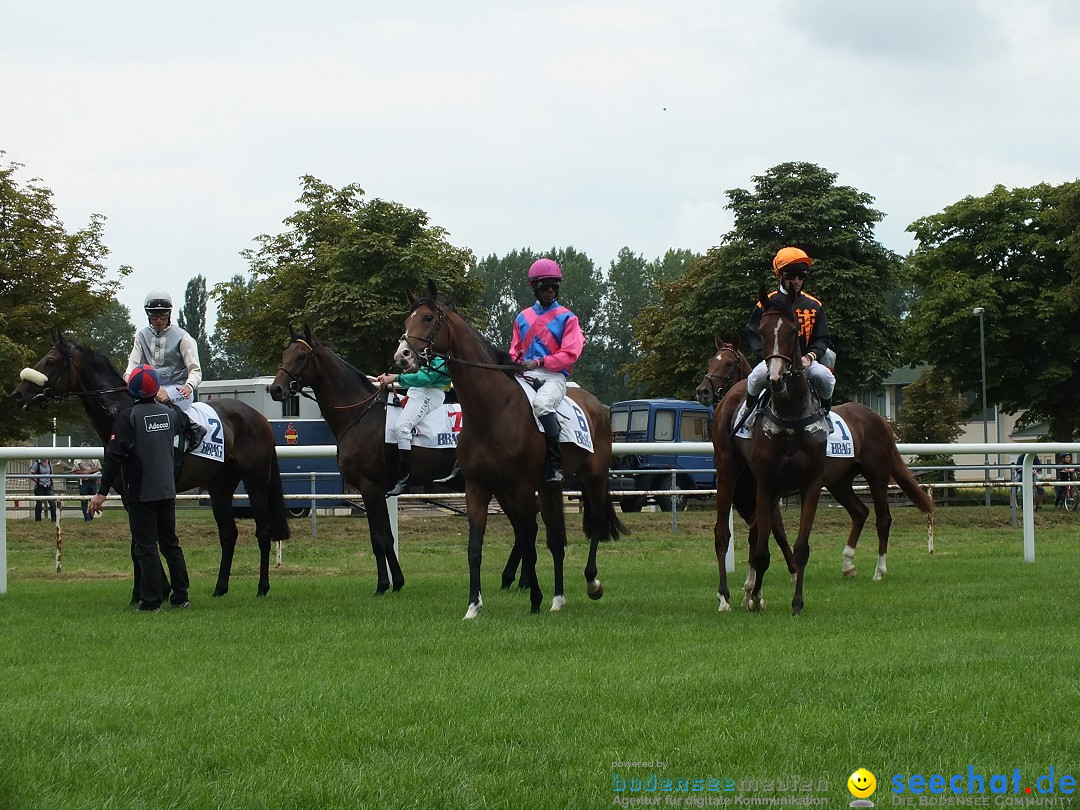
pixel 862 784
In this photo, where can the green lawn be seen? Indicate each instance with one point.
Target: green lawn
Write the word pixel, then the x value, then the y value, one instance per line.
pixel 323 696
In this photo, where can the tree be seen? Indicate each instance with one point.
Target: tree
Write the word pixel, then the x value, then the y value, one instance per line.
pixel 227 357
pixel 1006 252
pixel 111 332
pixel 792 204
pixel 933 412
pixel 343 267
pixel 48 278
pixel 632 285
pixel 192 316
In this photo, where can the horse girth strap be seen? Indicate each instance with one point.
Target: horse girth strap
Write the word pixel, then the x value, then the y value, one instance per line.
pixel 793 424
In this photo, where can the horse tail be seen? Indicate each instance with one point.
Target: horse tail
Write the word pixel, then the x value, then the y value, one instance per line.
pixel 275 497
pixel 909 484
pixel 599 521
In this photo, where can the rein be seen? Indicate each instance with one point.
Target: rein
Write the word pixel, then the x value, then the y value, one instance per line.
pixel 429 353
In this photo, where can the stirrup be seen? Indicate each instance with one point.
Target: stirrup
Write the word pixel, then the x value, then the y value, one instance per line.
pixel 399 488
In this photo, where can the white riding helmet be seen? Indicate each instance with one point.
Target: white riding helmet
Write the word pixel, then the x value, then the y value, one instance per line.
pixel 157 301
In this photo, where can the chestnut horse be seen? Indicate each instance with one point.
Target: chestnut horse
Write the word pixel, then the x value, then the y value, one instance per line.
pixel 875 459
pixel 250 454
pixel 501 450
pixel 356 414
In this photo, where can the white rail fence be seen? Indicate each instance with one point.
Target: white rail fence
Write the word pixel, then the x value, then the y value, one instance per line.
pixel 1009 449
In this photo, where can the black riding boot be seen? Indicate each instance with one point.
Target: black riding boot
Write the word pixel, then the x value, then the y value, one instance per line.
pixel 402 474
pixel 553 473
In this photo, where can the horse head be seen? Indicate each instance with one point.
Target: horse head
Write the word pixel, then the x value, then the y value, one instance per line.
pixel 51 377
pixel 424 336
pixel 727 367
pixel 780 340
pixel 299 365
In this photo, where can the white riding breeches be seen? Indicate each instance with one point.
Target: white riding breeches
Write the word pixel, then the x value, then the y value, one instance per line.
pixel 176 397
pixel 551 392
pixel 822 382
pixel 421 402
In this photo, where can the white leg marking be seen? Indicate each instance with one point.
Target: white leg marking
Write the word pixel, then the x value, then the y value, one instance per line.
pixel 879 572
pixel 557 603
pixel 847 567
pixel 474 608
pixel 724 606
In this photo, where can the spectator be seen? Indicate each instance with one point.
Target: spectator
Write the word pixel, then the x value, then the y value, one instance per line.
pixel 41 472
pixel 87 467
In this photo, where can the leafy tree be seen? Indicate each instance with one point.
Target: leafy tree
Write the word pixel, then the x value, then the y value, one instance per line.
pixel 111 332
pixel 632 287
pixel 343 266
pixel 1006 252
pixel 192 316
pixel 226 357
pixel 933 412
pixel 792 204
pixel 49 277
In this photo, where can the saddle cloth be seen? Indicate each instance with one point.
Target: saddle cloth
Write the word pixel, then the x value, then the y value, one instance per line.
pixel 838 445
pixel 213 444
pixel 573 426
pixel 438 429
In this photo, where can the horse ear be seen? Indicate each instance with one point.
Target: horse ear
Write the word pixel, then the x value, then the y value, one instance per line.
pixel 307 332
pixel 763 297
pixel 410 297
pixel 736 342
pixel 292 333
pixel 433 289
pixel 57 336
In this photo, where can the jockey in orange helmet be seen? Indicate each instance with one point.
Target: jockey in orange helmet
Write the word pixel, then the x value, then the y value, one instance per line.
pixel 790 266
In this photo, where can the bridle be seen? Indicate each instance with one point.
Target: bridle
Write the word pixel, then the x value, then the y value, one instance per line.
pixel 428 354
pixel 52 379
pixel 720 384
pixel 297 384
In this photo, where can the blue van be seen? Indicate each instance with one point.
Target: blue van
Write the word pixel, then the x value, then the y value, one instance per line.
pixel 663 420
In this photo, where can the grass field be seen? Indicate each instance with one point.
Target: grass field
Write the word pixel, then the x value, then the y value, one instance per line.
pixel 323 696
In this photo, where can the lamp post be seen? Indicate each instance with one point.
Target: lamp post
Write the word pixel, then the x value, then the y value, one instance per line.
pixel 978 311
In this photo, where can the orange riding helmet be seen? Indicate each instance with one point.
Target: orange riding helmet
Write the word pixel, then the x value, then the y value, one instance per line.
pixel 789 255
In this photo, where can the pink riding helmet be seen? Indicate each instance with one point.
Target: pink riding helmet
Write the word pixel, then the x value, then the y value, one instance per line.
pixel 544 268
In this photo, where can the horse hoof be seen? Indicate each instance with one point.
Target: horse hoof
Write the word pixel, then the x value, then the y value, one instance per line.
pixel 262 594
pixel 878 576
pixel 507 585
pixel 849 572
pixel 796 610
pixel 399 585
pixel 557 603
pixel 473 611
pixel 725 606
pixel 379 591
pixel 218 592
pixel 595 589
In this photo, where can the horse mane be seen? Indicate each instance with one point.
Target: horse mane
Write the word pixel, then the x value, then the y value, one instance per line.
pixel 98 362
pixel 499 356
pixel 361 374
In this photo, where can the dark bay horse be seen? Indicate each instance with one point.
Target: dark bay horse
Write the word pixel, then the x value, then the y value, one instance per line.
pixel 250 455
pixel 876 459
pixel 356 414
pixel 501 450
pixel 786 449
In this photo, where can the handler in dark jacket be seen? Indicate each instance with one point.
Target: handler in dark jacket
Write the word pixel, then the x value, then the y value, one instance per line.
pixel 141 446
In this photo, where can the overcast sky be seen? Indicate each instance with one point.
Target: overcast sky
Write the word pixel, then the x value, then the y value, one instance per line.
pixel 593 124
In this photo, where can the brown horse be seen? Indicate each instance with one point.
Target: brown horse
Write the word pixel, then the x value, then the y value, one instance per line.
pixel 501 450
pixel 356 415
pixel 250 454
pixel 875 458
pixel 786 449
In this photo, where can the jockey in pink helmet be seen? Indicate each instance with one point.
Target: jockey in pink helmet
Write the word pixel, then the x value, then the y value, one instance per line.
pixel 547 342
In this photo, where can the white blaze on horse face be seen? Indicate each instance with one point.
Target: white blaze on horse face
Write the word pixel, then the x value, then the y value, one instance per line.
pixel 776 364
pixel 405 357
